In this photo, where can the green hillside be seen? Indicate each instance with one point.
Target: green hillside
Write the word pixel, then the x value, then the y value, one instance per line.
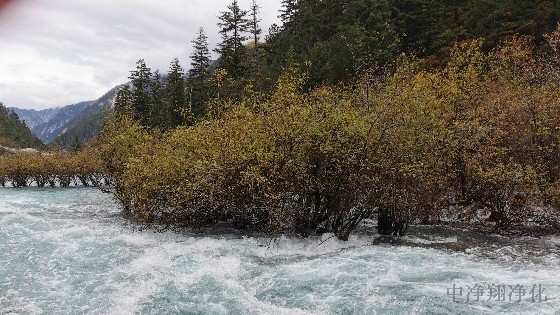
pixel 87 124
pixel 14 132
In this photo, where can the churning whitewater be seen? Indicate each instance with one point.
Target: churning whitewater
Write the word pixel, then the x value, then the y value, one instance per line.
pixel 69 251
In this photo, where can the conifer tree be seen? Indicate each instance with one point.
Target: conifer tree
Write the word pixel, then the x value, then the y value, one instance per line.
pixel 274 31
pixel 175 92
pixel 197 89
pixel 254 28
pixel 200 57
pixel 233 27
pixel 14 132
pixel 141 99
pixel 288 11
pixel 255 31
pixel 159 105
pixel 381 40
pixel 77 145
pixel 123 101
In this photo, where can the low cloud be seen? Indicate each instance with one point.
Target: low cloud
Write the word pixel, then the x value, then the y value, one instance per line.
pixel 56 53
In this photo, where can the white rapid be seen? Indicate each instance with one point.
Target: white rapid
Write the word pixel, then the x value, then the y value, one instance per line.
pixel 68 251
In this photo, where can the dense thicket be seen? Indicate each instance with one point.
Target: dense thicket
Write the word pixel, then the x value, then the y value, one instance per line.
pixel 51 169
pixel 14 132
pixel 481 132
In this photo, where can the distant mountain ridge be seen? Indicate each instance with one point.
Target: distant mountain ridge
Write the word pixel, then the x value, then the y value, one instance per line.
pixel 47 124
pixel 34 118
pixel 68 124
pixel 88 123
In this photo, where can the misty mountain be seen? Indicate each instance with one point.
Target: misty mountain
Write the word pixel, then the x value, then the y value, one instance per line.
pixel 69 125
pixel 47 124
pixel 34 118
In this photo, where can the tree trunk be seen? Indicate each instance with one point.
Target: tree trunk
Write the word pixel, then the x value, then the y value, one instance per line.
pixel 387 224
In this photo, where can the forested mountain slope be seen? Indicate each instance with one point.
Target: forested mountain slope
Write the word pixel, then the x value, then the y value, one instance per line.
pixel 14 132
pixel 47 124
pixel 87 124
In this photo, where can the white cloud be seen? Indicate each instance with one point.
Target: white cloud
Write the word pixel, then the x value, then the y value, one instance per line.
pixel 56 53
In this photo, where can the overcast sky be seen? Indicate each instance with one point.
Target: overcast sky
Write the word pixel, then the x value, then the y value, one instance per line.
pixel 59 52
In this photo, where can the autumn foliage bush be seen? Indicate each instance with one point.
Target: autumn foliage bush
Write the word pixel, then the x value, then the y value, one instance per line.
pixel 51 169
pixel 481 132
pixel 295 163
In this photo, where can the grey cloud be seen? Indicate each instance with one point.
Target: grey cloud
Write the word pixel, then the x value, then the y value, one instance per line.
pixel 104 37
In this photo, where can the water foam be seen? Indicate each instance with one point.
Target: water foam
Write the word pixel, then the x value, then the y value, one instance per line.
pixel 74 256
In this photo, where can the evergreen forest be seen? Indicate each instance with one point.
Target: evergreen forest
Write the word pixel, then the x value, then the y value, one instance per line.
pixel 14 132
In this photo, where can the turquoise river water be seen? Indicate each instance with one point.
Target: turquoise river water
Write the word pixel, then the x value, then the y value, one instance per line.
pixel 69 251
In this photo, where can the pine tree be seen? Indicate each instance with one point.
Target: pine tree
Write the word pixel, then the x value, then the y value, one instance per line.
pixel 200 57
pixel 288 12
pixel 123 101
pixel 274 31
pixel 14 132
pixel 198 85
pixel 159 105
pixel 233 26
pixel 141 99
pixel 175 92
pixel 77 145
pixel 254 28
pixel 382 42
pixel 255 31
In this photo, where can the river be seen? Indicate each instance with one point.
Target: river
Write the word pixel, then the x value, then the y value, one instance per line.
pixel 69 251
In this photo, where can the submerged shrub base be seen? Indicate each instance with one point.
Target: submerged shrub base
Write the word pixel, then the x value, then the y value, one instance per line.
pixel 483 131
